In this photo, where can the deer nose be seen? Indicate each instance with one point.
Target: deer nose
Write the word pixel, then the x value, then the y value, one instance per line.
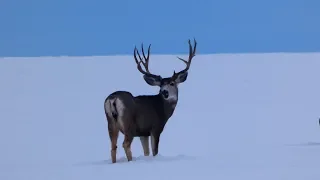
pixel 165 93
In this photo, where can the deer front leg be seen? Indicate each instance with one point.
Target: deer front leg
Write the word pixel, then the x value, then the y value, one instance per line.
pixel 127 146
pixel 113 134
pixel 145 145
pixel 155 138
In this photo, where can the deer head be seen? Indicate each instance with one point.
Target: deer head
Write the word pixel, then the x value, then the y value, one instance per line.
pixel 169 85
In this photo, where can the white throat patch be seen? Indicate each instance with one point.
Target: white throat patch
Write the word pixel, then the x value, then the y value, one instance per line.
pixel 172 97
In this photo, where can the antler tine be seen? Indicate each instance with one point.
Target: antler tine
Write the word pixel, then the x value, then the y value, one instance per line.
pixel 144 56
pixel 135 55
pixel 145 63
pixel 192 53
pixel 138 62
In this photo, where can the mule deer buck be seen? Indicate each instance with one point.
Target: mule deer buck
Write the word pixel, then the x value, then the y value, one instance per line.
pixel 145 115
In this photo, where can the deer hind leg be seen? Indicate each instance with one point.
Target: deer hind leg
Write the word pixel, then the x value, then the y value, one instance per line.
pixel 145 145
pixel 127 146
pixel 113 134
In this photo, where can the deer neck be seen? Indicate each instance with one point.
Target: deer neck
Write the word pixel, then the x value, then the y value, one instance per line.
pixel 168 106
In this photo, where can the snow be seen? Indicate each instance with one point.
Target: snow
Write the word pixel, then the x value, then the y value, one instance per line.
pixel 239 116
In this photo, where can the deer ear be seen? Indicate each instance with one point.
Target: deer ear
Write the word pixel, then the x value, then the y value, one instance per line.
pixel 152 80
pixel 181 77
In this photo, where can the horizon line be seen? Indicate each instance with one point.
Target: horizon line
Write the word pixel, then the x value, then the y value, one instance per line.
pixel 117 55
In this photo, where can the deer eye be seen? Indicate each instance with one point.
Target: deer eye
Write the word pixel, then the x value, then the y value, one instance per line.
pixel 171 84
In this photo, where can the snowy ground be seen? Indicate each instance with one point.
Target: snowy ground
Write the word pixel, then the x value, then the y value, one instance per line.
pixel 241 116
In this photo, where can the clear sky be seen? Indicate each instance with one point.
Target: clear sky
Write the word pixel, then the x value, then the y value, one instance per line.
pixel 105 27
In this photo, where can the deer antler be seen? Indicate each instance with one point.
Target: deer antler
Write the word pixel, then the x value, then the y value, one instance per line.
pixel 145 63
pixel 192 53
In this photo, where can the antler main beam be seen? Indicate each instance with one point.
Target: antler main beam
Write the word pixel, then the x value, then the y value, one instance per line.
pixel 192 53
pixel 144 62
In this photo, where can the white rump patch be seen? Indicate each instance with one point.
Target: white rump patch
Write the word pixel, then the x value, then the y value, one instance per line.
pixel 120 109
pixel 108 107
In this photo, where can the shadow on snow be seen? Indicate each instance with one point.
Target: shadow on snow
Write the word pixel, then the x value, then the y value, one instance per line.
pixel 306 144
pixel 139 159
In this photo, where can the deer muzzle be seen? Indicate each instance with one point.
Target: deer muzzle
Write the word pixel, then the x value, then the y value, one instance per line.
pixel 165 93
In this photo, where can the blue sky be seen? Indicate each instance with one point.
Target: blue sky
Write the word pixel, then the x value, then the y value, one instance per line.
pixel 104 27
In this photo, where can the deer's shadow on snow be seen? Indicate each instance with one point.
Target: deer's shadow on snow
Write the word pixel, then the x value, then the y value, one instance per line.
pixel 306 144
pixel 139 159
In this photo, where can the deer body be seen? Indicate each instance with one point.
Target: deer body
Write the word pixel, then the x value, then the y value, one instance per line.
pixel 143 116
pixel 140 115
